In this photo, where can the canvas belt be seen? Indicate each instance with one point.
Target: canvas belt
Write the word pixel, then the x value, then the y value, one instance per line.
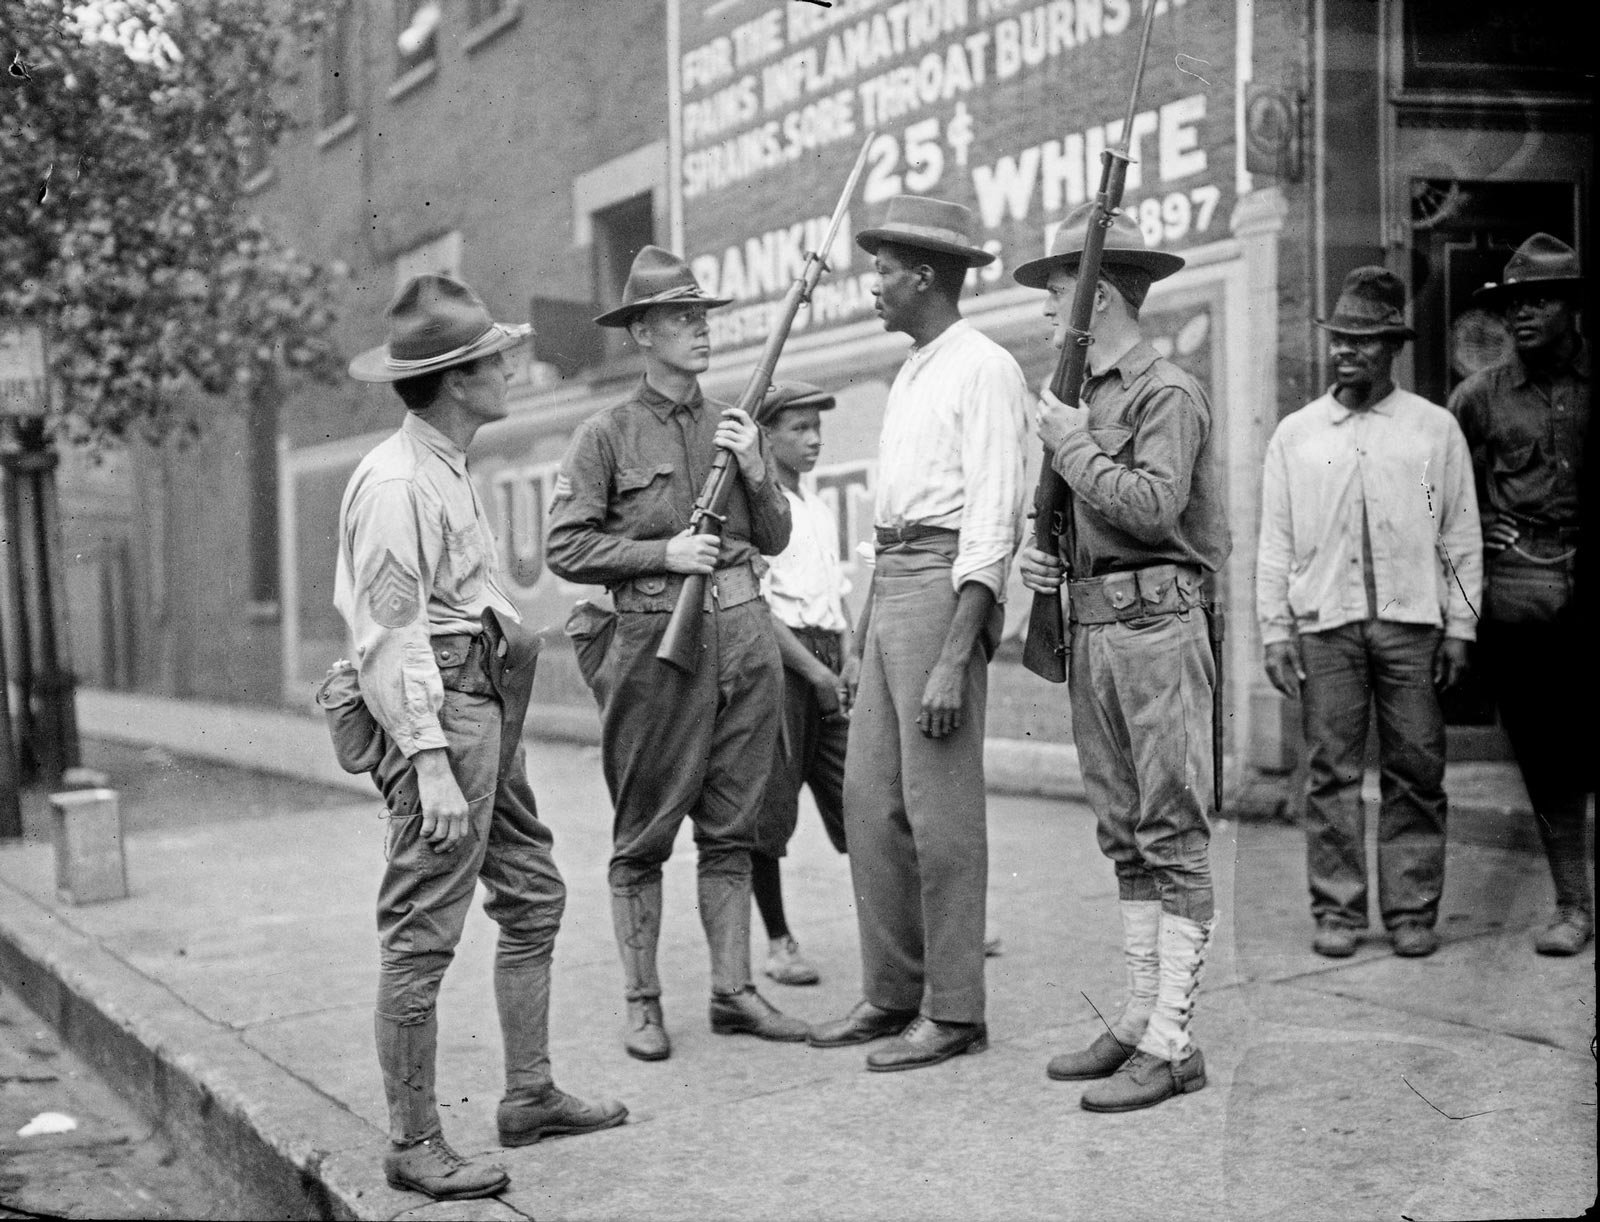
pixel 1160 589
pixel 730 587
pixel 911 532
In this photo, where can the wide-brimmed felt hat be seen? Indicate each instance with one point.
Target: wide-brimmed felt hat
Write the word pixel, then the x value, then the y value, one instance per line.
pixel 926 224
pixel 435 322
pixel 1542 264
pixel 1372 302
pixel 781 396
pixel 657 277
pixel 1124 246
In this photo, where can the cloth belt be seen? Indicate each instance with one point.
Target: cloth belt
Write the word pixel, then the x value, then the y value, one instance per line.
pixel 912 532
pixel 1161 589
pixel 729 587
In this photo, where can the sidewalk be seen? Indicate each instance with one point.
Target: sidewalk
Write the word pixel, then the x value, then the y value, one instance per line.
pixel 231 993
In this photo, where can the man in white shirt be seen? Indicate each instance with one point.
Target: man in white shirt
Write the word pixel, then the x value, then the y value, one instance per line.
pixel 1367 580
pixel 948 516
pixel 805 588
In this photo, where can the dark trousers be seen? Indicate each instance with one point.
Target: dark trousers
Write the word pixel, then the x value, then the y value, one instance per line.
pixel 811 751
pixel 697 747
pixel 1351 670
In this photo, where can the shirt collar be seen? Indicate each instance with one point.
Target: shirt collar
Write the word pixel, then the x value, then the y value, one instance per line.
pixel 1386 406
pixel 1579 365
pixel 940 341
pixel 420 430
pixel 1132 363
pixel 663 407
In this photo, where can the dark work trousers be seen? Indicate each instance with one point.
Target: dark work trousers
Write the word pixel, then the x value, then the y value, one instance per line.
pixel 1552 737
pixel 698 746
pixel 1350 670
pixel 811 751
pixel 424 896
pixel 1141 719
pixel 915 813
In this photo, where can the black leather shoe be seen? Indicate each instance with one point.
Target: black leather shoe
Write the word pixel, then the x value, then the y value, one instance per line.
pixel 926 1042
pixel 749 1013
pixel 1102 1059
pixel 865 1023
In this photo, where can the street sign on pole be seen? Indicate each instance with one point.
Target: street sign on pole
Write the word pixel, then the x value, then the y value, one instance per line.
pixel 24 386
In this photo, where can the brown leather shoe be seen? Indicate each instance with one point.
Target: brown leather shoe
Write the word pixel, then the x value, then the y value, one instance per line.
pixel 433 1168
pixel 646 1038
pixel 1568 933
pixel 558 1114
pixel 749 1013
pixel 1414 940
pixel 1144 1081
pixel 865 1023
pixel 1100 1060
pixel 927 1042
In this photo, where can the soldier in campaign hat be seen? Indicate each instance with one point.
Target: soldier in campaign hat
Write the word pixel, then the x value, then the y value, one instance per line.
pixel 1367 575
pixel 1527 420
pixel 445 669
pixel 1148 531
pixel 677 746
pixel 948 515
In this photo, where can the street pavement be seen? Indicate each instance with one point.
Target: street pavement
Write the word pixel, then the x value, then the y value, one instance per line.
pixel 243 963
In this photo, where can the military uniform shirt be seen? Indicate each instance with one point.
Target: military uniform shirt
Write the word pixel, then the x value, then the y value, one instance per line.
pixel 629 481
pixel 416 560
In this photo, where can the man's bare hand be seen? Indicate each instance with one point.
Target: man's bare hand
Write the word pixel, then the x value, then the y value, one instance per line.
pixel 445 814
pixel 1041 572
pixel 1502 533
pixel 850 677
pixel 1450 664
pixel 941 712
pixel 691 553
pixel 1284 667
pixel 1055 421
pixel 738 434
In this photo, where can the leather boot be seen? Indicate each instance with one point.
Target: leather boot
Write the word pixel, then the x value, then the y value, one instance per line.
pixel 1566 847
pixel 533 1107
pixel 1141 957
pixel 636 919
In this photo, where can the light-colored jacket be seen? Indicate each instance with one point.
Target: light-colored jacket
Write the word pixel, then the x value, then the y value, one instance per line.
pixel 1405 462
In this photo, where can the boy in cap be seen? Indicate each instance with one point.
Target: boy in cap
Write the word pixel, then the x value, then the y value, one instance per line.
pixel 1367 576
pixel 446 669
pixel 805 589
pixel 673 746
pixel 1147 533
pixel 1526 420
pixel 948 515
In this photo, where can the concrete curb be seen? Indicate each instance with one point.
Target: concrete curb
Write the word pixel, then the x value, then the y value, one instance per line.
pixel 273 1144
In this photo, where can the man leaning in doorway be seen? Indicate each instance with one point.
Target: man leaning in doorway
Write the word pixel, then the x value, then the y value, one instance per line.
pixel 1367 577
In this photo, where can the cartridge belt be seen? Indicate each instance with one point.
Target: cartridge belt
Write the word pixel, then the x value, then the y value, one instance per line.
pixel 1160 589
pixel 730 587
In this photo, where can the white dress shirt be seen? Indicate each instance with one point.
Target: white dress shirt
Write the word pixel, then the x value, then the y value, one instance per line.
pixel 951 450
pixel 805 585
pixel 1404 464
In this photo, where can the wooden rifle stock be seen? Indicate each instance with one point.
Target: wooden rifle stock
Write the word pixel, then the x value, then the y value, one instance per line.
pixel 1046 647
pixel 680 645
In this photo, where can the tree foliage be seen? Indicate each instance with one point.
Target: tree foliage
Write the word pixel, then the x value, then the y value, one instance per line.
pixel 128 130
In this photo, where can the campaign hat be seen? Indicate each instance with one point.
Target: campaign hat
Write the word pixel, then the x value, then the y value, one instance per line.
pixel 1543 264
pixel 1372 302
pixel 435 322
pixel 781 396
pixel 1124 246
pixel 926 224
pixel 657 277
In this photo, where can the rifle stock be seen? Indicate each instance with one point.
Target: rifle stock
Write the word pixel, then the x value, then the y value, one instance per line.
pixel 1046 647
pixel 680 644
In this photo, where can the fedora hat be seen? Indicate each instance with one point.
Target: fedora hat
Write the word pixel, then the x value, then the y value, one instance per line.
pixel 657 277
pixel 435 322
pixel 927 224
pixel 1124 245
pixel 1542 264
pixel 783 396
pixel 1372 301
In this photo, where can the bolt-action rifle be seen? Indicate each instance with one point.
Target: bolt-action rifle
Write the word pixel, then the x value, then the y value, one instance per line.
pixel 680 646
pixel 1045 650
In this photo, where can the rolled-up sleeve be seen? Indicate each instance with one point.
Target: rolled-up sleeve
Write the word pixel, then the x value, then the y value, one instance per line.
pixel 993 437
pixel 1146 497
pixel 578 548
pixel 1274 548
pixel 394 542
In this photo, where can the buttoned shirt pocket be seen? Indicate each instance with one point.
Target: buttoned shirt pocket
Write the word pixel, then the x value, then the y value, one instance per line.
pixel 1512 456
pixel 644 498
pixel 1113 439
pixel 462 563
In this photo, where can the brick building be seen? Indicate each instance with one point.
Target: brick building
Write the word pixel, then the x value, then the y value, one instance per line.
pixel 533 146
